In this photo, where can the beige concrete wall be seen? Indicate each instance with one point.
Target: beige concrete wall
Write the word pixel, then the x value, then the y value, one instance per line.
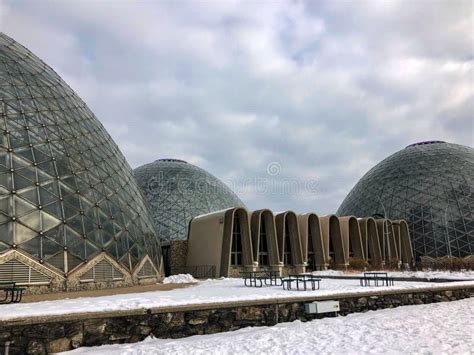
pixel 310 227
pixel 289 218
pixel 351 237
pixel 256 219
pixel 247 252
pixel 403 240
pixel 332 232
pixel 205 240
pixel 370 240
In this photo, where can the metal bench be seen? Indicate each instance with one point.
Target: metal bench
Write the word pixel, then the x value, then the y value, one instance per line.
pixel 379 279
pixel 303 280
pixel 12 294
pixel 259 278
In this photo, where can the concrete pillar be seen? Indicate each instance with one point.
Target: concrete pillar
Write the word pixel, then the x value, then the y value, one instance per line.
pixel 278 268
pixel 300 268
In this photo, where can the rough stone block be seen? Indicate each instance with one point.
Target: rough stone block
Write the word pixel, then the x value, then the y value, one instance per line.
pixel 36 347
pixel 59 345
pixel 95 326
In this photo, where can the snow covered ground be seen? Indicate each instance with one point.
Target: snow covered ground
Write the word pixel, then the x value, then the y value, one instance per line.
pixel 428 274
pixel 209 291
pixel 439 328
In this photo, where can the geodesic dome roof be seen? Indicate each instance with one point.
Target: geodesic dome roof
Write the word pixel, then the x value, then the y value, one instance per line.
pixel 178 191
pixel 431 186
pixel 64 184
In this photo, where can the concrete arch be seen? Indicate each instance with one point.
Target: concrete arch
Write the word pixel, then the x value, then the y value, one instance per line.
pixel 403 241
pixel 210 241
pixel 370 241
pixel 287 225
pixel 387 240
pixel 351 237
pixel 332 236
pixel 311 234
pixel 264 220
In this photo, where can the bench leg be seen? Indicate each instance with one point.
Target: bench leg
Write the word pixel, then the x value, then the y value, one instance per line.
pixel 4 298
pixel 18 296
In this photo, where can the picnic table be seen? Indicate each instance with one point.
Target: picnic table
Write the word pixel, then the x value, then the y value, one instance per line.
pixel 301 279
pixel 379 279
pixel 12 293
pixel 260 278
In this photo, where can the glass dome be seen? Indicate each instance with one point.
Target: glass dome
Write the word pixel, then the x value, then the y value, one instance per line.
pixel 66 191
pixel 178 191
pixel 431 186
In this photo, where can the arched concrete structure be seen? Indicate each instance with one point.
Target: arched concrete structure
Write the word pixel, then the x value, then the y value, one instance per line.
pixel 387 240
pixel 402 239
pixel 262 222
pixel 312 236
pixel 332 236
pixel 287 226
pixel 351 237
pixel 210 241
pixel 290 237
pixel 370 241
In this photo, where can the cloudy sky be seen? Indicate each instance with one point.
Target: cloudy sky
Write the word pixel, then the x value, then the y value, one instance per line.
pixel 289 103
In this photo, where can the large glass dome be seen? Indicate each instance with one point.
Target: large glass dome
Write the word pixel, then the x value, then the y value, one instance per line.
pixel 66 191
pixel 431 186
pixel 178 191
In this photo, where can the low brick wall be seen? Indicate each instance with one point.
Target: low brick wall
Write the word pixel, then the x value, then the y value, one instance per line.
pixel 61 333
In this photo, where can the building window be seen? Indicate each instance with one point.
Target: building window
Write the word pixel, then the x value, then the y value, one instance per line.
pixel 287 248
pixel 263 247
pixel 236 253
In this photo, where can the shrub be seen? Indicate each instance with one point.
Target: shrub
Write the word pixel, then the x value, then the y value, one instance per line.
pixel 357 264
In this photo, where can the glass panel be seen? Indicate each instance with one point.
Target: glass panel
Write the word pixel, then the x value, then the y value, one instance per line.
pixel 23 234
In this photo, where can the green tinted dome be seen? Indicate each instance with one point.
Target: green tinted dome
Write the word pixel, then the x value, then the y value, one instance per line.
pixel 64 184
pixel 431 186
pixel 178 191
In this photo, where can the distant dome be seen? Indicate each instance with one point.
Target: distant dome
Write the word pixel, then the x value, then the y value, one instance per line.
pixel 431 186
pixel 66 192
pixel 178 191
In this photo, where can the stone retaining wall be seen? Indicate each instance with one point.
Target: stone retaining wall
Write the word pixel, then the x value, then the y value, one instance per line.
pixel 177 258
pixel 55 335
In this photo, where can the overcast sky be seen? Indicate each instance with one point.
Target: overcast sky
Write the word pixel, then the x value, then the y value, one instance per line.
pixel 289 103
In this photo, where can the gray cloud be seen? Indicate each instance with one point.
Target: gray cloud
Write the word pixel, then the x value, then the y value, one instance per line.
pixel 326 89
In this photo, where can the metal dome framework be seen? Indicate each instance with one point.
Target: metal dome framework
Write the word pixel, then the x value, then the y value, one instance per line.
pixel 178 191
pixel 431 186
pixel 67 194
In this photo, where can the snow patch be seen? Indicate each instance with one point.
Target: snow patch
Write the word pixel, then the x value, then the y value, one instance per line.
pixel 179 279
